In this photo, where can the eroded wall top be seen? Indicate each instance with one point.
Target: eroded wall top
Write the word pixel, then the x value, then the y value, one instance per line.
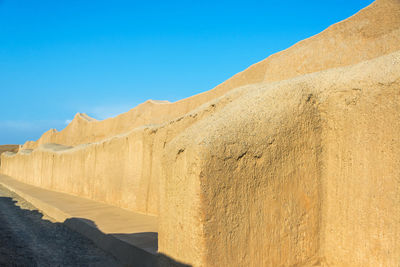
pixel 372 32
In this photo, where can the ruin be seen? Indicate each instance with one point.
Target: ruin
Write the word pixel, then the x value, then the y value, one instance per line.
pixel 293 162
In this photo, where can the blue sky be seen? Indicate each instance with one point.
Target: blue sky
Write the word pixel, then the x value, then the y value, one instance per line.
pixel 103 58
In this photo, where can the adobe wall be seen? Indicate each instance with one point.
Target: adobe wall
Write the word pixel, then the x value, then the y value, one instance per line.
pixel 372 32
pixel 123 170
pixel 8 148
pixel 361 185
pixel 115 171
pixel 304 173
pixel 294 172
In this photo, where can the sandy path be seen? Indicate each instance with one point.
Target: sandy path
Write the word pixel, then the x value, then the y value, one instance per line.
pixel 29 239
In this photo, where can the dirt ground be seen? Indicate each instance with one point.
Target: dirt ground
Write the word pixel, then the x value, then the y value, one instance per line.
pixel 27 238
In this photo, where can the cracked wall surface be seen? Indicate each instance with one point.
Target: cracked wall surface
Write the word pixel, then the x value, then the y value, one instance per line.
pixel 306 172
pixel 292 162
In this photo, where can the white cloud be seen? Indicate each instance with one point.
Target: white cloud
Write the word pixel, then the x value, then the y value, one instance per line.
pixel 67 122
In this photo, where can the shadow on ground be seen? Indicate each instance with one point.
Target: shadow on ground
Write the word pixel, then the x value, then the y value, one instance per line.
pixel 28 239
pixel 135 249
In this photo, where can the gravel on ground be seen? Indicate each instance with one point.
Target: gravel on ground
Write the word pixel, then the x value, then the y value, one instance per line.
pixel 29 238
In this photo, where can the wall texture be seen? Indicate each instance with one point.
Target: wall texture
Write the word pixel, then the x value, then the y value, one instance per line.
pixel 372 32
pixel 8 148
pixel 123 170
pixel 305 173
pixel 281 165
